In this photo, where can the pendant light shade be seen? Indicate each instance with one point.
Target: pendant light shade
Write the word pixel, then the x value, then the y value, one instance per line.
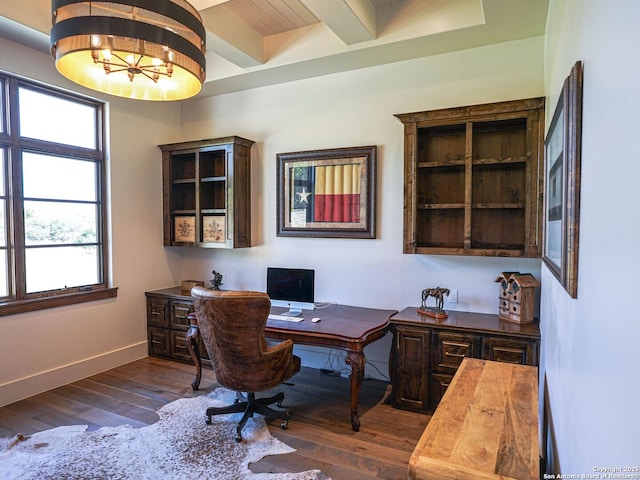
pixel 141 49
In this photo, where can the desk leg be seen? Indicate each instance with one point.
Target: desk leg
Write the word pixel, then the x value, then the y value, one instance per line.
pixel 392 362
pixel 357 361
pixel 193 335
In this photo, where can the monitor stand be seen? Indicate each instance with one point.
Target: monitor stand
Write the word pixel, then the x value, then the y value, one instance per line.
pixel 295 308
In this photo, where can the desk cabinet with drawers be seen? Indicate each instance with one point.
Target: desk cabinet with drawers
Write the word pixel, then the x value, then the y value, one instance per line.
pixel 426 352
pixel 167 324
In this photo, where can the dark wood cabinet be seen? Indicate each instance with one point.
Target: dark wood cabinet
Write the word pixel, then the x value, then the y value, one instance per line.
pixel 411 366
pixel 472 179
pixel 426 352
pixel 167 324
pixel 206 193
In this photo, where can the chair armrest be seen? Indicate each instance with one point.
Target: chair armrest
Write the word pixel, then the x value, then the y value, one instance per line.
pixel 281 349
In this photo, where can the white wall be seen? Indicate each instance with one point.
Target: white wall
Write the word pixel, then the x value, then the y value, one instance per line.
pixel 589 345
pixel 48 348
pixel 354 109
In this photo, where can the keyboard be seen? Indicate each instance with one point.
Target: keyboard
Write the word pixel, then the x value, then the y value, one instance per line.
pixel 285 318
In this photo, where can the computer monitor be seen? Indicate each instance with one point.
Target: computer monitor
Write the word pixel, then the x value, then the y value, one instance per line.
pixel 292 288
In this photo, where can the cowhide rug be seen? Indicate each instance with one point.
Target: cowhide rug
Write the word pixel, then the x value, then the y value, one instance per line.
pixel 179 446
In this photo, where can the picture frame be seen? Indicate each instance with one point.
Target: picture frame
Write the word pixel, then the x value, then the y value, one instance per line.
pixel 327 193
pixel 562 184
pixel 185 229
pixel 214 228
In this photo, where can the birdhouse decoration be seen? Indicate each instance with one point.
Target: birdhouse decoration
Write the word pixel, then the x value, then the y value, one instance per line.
pixel 517 296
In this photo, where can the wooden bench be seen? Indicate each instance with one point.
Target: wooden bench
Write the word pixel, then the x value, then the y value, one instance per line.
pixel 485 427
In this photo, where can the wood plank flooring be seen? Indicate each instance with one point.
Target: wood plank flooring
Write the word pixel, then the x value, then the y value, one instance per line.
pixel 319 430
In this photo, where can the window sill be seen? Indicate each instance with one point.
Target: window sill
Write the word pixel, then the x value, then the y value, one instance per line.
pixel 31 305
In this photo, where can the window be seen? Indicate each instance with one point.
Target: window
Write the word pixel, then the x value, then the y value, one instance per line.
pixel 53 240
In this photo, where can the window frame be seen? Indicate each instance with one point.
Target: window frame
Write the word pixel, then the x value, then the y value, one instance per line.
pixel 19 301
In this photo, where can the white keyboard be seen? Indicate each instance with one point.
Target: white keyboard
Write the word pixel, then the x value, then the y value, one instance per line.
pixel 285 318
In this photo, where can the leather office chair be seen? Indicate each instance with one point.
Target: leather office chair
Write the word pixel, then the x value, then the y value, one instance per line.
pixel 232 327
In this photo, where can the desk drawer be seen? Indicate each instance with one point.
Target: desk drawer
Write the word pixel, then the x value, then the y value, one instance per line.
pixel 179 349
pixel 158 339
pixel 510 350
pixel 158 312
pixel 450 348
pixel 180 314
pixel 439 384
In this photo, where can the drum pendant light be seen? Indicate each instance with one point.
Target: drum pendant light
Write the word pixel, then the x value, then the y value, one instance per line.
pixel 139 49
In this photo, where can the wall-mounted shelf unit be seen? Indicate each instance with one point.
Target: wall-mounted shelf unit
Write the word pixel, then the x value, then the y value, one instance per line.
pixel 473 179
pixel 207 193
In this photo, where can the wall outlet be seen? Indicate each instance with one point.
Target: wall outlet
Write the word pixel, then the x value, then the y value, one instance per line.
pixel 453 296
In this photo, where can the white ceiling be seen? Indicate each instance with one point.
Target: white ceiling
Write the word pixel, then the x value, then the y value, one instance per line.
pixel 252 43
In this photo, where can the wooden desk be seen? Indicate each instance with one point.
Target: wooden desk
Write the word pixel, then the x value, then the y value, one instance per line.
pixel 486 426
pixel 341 326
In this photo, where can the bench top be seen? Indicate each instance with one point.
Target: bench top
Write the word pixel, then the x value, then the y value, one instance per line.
pixel 485 427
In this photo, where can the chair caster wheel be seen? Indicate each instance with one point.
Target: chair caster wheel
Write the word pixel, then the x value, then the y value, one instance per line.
pixel 279 404
pixel 238 438
pixel 284 425
pixel 208 421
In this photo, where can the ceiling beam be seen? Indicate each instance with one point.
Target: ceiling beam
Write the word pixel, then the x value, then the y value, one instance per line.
pixel 231 38
pixel 353 21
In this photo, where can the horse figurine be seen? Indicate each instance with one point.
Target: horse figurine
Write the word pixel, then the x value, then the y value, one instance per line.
pixel 438 293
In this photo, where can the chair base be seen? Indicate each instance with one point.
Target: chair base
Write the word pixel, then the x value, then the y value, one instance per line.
pixel 250 406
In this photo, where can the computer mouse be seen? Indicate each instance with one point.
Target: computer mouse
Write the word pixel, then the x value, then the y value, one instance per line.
pixel 315 320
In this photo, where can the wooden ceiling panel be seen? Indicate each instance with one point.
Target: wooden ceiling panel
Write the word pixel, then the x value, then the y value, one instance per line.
pixel 270 17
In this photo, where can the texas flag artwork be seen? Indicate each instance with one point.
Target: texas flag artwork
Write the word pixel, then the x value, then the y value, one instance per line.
pixel 337 193
pixel 327 193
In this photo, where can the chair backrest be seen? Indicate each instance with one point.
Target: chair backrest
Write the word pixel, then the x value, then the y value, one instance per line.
pixel 232 328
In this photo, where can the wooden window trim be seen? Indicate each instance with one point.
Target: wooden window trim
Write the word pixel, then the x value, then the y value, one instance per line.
pixel 15 146
pixel 59 300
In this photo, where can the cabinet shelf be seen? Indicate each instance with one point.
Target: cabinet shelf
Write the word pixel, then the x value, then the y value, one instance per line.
pixel 435 206
pixel 472 179
pixel 499 161
pixel 453 163
pixel 207 193
pixel 498 205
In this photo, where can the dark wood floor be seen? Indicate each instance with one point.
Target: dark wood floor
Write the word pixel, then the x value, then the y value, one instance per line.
pixel 319 430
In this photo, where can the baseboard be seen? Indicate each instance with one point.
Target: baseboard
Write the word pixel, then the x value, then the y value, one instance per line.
pixel 41 382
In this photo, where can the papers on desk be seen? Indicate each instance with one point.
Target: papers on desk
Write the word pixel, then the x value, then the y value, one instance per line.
pixel 285 318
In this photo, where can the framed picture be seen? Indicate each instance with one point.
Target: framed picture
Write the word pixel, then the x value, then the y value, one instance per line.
pixel 185 229
pixel 214 228
pixel 327 193
pixel 562 184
